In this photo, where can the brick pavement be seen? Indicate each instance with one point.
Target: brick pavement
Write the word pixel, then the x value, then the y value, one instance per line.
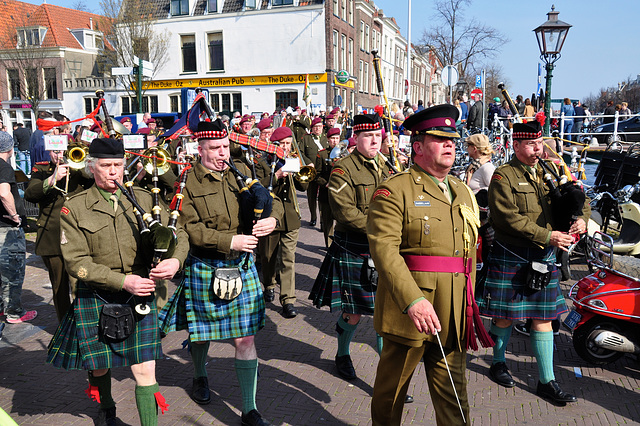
pixel 298 384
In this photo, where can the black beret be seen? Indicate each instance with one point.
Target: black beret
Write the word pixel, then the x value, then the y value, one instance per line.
pixel 364 122
pixel 439 120
pixel 106 148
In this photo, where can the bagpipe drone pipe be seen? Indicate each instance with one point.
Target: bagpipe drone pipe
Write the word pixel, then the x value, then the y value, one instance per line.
pixel 567 198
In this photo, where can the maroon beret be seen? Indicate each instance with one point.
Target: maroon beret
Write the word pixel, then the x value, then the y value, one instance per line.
pixel 265 123
pixel 125 120
pixel 281 133
pixel 333 131
pixel 315 121
pixel 143 131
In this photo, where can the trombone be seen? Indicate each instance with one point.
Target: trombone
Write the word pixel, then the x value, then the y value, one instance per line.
pixel 306 173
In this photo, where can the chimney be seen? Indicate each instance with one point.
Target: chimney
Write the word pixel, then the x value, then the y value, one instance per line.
pixel 91 23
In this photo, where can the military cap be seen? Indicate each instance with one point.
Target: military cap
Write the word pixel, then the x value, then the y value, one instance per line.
pixel 245 118
pixel 151 120
pixel 364 122
pixel 211 130
pixel 333 131
pixel 335 111
pixel 315 121
pixel 143 131
pixel 439 120
pixel 106 148
pixel 6 142
pixel 265 123
pixel 125 120
pixel 352 142
pixel 528 130
pixel 281 133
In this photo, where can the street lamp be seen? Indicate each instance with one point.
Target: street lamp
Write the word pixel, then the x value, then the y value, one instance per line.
pixel 550 37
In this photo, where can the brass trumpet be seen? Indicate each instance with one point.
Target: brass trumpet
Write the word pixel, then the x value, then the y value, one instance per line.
pixel 306 173
pixel 163 160
pixel 77 157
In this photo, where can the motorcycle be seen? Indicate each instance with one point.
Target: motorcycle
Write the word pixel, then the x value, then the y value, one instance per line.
pixel 605 320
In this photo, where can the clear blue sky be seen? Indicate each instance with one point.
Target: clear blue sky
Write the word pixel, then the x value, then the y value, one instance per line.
pixel 600 49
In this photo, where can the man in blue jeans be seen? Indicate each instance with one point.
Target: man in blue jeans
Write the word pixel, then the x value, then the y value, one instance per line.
pixel 12 240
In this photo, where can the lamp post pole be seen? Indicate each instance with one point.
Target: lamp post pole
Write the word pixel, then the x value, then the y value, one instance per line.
pixel 547 100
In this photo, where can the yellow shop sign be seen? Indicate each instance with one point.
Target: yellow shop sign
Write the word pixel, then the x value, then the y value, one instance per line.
pixel 234 81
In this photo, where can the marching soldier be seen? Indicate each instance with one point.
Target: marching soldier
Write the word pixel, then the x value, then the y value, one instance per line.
pixel 52 183
pixel 324 164
pixel 220 256
pixel 309 148
pixel 102 248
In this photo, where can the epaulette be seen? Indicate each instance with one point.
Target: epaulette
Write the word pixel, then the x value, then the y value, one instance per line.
pixel 42 163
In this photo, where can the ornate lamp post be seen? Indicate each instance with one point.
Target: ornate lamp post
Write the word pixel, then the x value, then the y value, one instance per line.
pixel 550 37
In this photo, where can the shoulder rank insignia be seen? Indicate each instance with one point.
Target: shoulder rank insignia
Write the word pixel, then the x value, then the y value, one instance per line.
pixel 64 210
pixel 382 191
pixel 337 170
pixel 496 177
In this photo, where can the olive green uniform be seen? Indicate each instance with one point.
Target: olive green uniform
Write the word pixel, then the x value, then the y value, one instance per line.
pixel 50 201
pixel 323 168
pixel 410 215
pixel 309 151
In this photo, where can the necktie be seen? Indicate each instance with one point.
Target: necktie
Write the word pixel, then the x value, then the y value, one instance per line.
pixel 445 190
pixel 114 198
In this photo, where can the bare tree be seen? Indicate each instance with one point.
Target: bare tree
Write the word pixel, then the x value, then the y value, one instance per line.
pixel 461 42
pixel 81 6
pixel 129 27
pixel 493 76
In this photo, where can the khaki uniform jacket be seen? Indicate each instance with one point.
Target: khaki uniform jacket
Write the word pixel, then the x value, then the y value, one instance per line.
pixel 520 208
pixel 309 149
pixel 285 189
pixel 409 215
pixel 351 185
pixel 98 244
pixel 50 203
pixel 211 212
pixel 323 173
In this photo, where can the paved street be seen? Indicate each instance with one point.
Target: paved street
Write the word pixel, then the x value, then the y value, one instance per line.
pixel 298 384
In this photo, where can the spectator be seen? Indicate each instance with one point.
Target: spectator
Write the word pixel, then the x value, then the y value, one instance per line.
pixel 22 135
pixel 520 105
pixel 475 113
pixel 420 105
pixel 625 112
pixel 579 113
pixel 464 107
pixel 609 113
pixel 569 112
pixel 529 111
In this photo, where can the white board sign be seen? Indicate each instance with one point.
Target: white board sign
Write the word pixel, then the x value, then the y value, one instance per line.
pixel 133 142
pixel 88 136
pixel 55 142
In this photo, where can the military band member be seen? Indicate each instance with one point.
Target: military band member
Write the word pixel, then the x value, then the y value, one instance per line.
pixel 48 188
pixel 102 248
pixel 344 282
pixel 324 164
pixel 278 249
pixel 422 233
pixel 525 231
pixel 211 217
pixel 311 144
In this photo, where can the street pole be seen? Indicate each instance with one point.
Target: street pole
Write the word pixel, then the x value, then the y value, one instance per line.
pixel 139 86
pixel 547 101
pixel 409 55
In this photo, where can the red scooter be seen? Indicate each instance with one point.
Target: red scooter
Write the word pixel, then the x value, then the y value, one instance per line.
pixel 605 319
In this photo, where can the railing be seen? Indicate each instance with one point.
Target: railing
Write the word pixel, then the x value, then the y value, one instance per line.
pixel 614 134
pixel 88 84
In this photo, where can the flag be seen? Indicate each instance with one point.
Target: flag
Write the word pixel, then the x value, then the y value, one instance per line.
pixel 306 97
pixel 188 121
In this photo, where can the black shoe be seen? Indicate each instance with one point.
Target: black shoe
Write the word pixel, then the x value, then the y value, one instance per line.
pixel 106 417
pixel 269 295
pixel 200 391
pixel 500 374
pixel 522 329
pixel 253 418
pixel 312 223
pixel 553 392
pixel 288 311
pixel 345 367
pixel 408 399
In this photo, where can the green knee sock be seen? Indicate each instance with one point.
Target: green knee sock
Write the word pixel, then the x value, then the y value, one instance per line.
pixel 103 383
pixel 247 372
pixel 199 353
pixel 501 339
pixel 146 403
pixel 345 334
pixel 542 343
pixel 379 343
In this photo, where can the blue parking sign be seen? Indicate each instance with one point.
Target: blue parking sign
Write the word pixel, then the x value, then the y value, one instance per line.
pixel 478 81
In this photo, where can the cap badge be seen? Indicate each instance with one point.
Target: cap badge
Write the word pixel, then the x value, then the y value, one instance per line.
pixel 447 122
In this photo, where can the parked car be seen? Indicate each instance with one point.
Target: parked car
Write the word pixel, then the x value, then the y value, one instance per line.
pixel 628 131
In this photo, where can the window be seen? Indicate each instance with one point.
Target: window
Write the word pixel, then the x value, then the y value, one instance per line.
pixel 350 69
pixel 343 51
pixel 366 77
pixel 33 82
pixel 286 99
pixel 373 39
pixel 360 78
pixel 15 85
pixel 212 6
pixel 336 9
pixel 188 53
pixel 281 2
pixel 50 83
pixel 30 36
pixel 344 10
pixel 130 104
pixel 361 34
pixel 226 103
pixel 366 38
pixel 174 103
pixel 99 42
pixel 237 101
pixel 250 4
pixel 216 52
pixel 335 51
pixel 351 12
pixel 90 104
pixel 179 7
pixel 215 101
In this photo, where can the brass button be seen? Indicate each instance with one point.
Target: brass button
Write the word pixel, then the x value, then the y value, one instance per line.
pixel 426 218
pixel 456 252
pixel 455 274
pixel 455 229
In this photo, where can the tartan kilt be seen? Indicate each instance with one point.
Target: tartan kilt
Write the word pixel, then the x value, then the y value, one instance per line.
pixel 506 295
pixel 194 306
pixel 77 343
pixel 342 282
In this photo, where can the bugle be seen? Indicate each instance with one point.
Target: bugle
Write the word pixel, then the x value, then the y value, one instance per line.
pixel 77 157
pixel 306 173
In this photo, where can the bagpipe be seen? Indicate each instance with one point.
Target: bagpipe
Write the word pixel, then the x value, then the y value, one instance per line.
pixel 383 111
pixel 567 198
pixel 512 106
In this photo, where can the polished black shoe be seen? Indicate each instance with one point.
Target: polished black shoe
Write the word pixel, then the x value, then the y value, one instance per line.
pixel 200 391
pixel 106 417
pixel 254 418
pixel 345 367
pixel 269 295
pixel 312 223
pixel 500 374
pixel 553 392
pixel 289 311
pixel 408 399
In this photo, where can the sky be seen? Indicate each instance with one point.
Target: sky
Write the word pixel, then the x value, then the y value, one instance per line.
pixel 600 49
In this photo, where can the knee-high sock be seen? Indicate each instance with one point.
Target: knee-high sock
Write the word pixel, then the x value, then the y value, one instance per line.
pixel 103 383
pixel 345 334
pixel 501 339
pixel 199 357
pixel 247 372
pixel 146 403
pixel 542 343
pixel 378 343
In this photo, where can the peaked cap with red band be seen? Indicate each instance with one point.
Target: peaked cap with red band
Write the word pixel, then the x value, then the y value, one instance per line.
pixel 439 120
pixel 211 130
pixel 366 122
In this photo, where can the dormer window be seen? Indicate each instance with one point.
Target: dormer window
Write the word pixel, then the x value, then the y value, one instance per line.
pixel 282 3
pixel 29 37
pixel 249 4
pixel 212 6
pixel 179 7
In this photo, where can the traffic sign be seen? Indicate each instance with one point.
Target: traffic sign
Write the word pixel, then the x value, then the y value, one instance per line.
pixel 478 81
pixel 449 75
pixel 406 87
pixel 337 100
pixel 478 91
pixel 121 71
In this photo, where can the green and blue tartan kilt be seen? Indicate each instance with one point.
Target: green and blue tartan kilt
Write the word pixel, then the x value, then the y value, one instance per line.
pixel 77 343
pixel 506 294
pixel 342 282
pixel 196 308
